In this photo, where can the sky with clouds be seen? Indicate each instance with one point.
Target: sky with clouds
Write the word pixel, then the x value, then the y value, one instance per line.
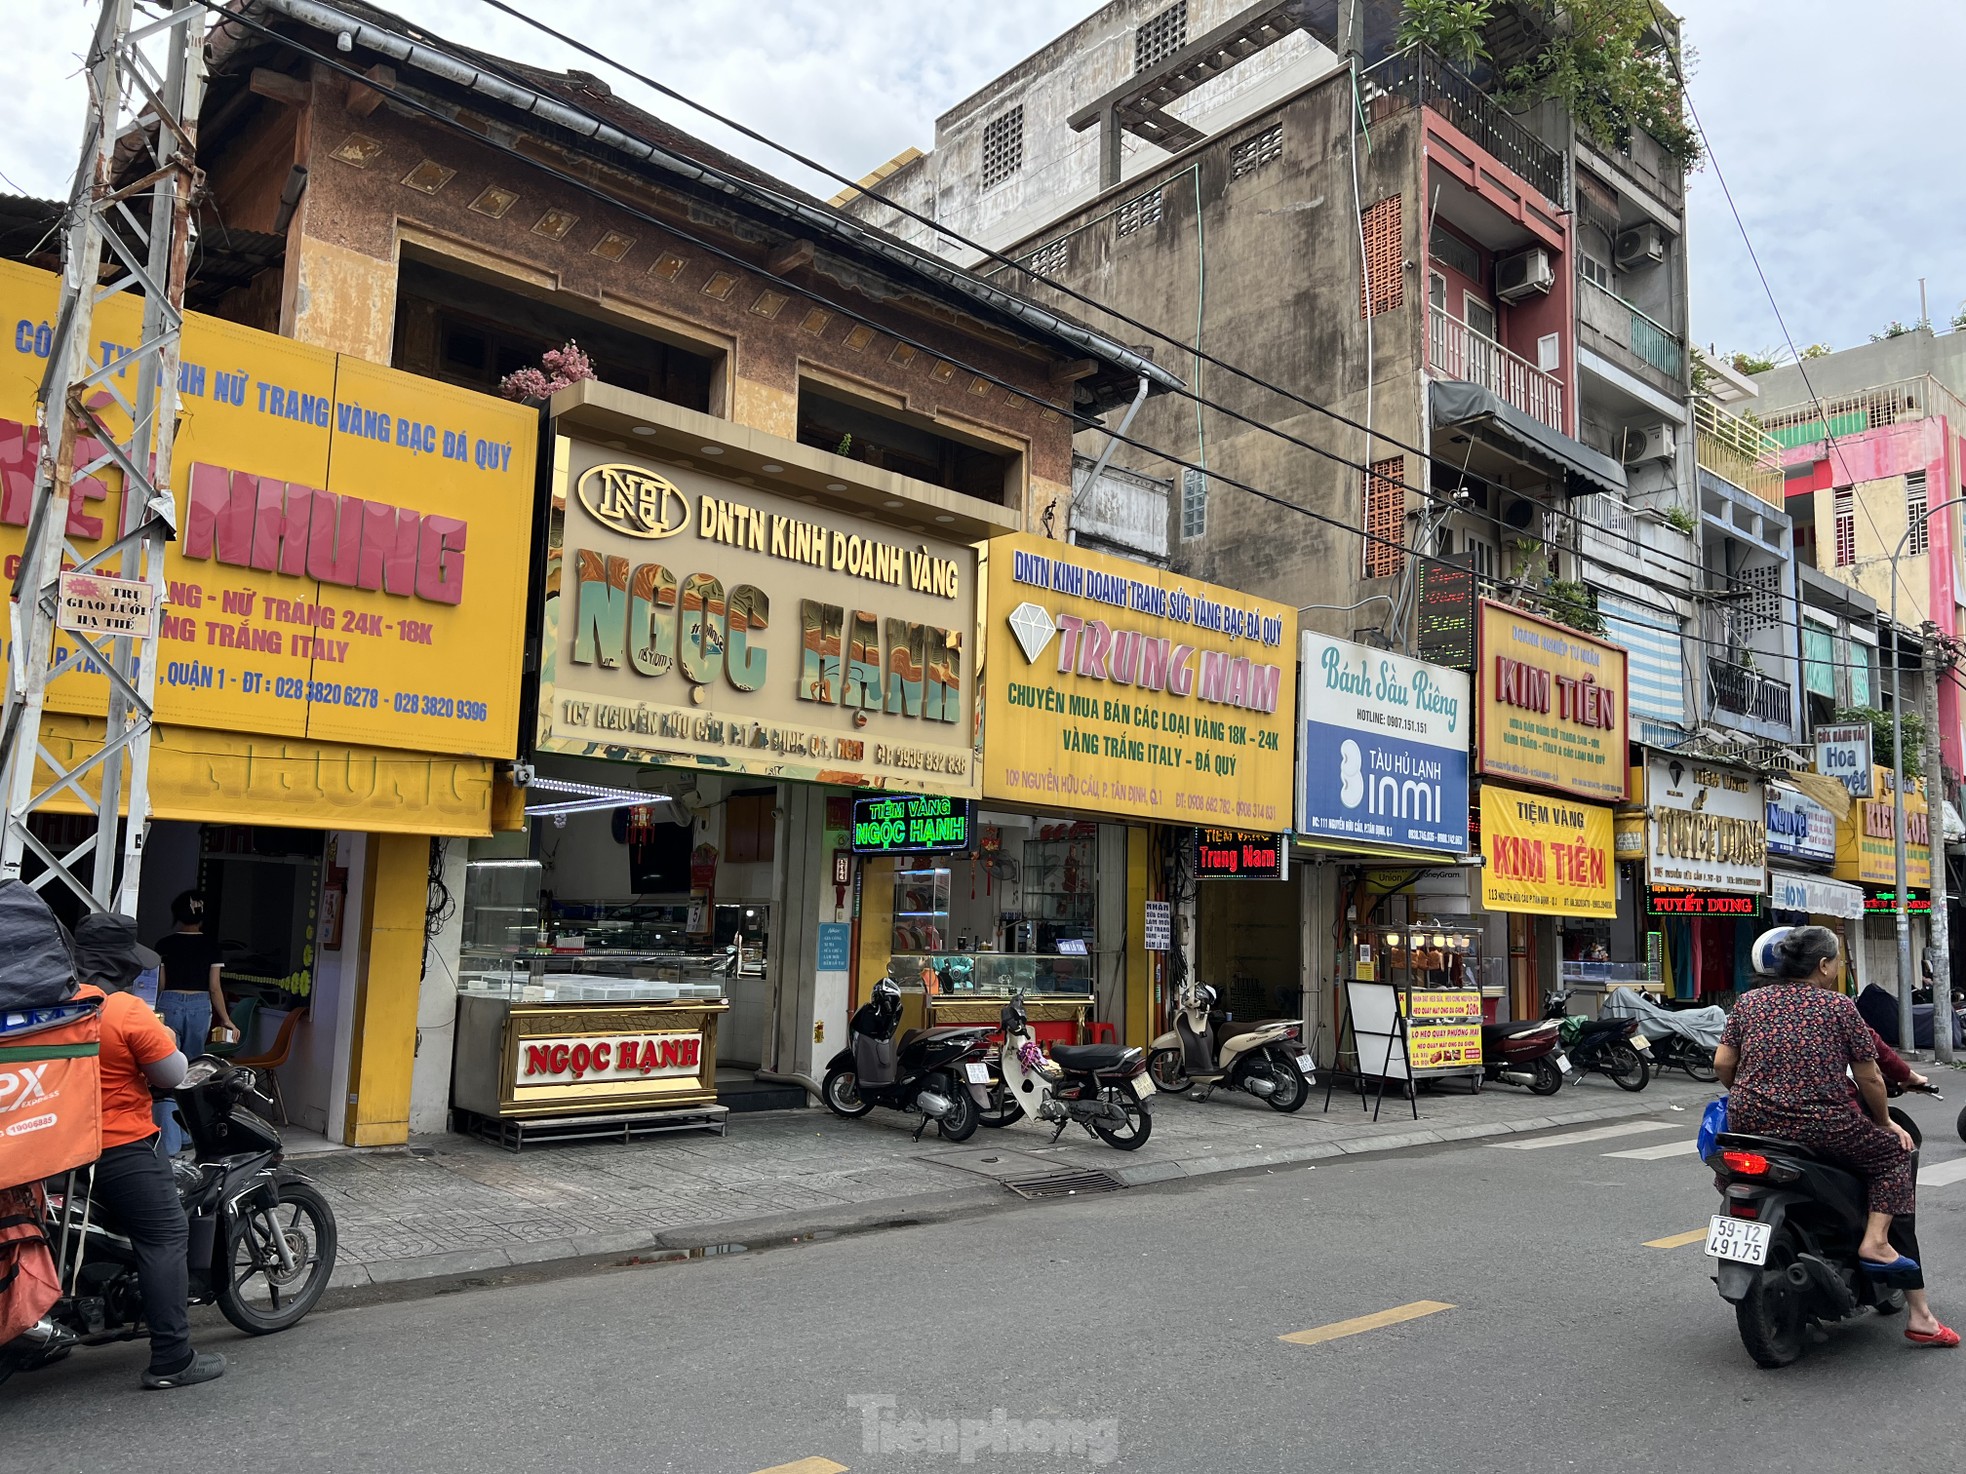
pixel 1831 123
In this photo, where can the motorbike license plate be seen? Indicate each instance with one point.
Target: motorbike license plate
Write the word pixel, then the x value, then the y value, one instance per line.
pixel 1307 1064
pixel 1562 1062
pixel 977 1074
pixel 1639 1041
pixel 1143 1085
pixel 1738 1239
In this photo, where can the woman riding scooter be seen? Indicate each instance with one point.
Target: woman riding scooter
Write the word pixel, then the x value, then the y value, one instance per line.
pixel 1787 1056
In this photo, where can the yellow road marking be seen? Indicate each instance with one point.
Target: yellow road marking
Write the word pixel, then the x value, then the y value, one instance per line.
pixel 807 1466
pixel 1677 1240
pixel 1373 1322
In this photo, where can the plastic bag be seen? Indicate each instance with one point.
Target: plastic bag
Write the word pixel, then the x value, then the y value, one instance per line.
pixel 1713 1121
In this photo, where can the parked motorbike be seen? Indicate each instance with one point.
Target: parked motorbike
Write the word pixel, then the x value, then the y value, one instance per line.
pixel 939 1074
pixel 1786 1243
pixel 1528 1052
pixel 1682 1037
pixel 1612 1047
pixel 262 1244
pixel 1103 1087
pixel 1206 1049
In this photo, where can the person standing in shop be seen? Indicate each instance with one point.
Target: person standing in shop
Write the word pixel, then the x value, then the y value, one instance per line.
pixel 188 993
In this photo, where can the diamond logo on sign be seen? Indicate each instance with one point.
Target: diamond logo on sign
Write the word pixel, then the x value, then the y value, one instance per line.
pixel 1033 628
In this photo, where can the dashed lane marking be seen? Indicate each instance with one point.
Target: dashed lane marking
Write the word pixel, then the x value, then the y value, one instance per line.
pixel 1659 1153
pixel 1376 1321
pixel 1596 1133
pixel 1942 1174
pixel 807 1466
pixel 1677 1240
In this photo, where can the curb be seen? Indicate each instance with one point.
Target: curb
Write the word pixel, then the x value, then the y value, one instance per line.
pixel 913 1209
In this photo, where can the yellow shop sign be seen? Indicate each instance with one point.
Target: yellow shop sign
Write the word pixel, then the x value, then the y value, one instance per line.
pixel 1121 689
pixel 1552 706
pixel 349 536
pixel 1867 838
pixel 1546 856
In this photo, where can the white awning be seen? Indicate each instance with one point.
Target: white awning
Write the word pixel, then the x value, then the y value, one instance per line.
pixel 1817 895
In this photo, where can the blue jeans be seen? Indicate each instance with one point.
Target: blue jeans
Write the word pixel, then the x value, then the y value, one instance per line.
pixel 189 1016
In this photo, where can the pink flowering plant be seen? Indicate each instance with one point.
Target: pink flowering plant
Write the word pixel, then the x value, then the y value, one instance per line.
pixel 559 368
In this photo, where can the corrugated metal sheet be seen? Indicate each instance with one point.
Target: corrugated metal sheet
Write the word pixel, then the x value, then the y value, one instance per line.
pixel 1658 677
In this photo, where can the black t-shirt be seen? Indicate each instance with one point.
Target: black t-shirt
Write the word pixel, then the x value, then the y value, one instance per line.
pixel 188 961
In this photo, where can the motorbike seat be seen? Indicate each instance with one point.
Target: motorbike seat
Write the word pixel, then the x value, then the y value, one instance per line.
pixel 909 1038
pixel 1088 1056
pixel 1515 1029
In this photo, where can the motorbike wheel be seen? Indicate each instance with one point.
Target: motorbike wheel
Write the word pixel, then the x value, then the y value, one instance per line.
pixel 1549 1079
pixel 1627 1068
pixel 1962 1125
pixel 254 1293
pixel 1292 1089
pixel 1699 1064
pixel 1169 1075
pixel 1139 1121
pixel 1001 1110
pixel 1773 1320
pixel 841 1092
pixel 1903 1118
pixel 960 1124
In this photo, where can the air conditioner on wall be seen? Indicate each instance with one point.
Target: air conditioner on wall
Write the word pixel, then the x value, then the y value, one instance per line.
pixel 1642 245
pixel 1645 443
pixel 1525 274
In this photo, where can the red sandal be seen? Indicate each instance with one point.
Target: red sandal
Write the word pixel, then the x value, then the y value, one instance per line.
pixel 1944 1336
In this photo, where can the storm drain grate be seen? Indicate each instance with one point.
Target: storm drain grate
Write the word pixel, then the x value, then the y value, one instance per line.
pixel 1063 1184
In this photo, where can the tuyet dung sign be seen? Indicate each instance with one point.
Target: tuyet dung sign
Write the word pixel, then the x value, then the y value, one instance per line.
pixel 1706 826
pixel 1120 689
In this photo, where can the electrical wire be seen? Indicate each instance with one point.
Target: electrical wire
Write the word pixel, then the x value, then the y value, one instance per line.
pixel 1024 267
pixel 412 103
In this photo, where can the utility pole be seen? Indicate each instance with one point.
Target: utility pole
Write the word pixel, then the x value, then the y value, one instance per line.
pixel 1938 942
pixel 141 128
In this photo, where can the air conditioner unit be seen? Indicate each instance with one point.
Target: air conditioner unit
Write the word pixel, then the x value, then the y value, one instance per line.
pixel 1648 443
pixel 1642 245
pixel 1525 274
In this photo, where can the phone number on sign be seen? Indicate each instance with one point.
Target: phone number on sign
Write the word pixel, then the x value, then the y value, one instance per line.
pixel 1224 806
pixel 413 703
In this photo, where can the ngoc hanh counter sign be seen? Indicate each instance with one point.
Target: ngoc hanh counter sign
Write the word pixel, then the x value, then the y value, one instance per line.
pixel 1120 689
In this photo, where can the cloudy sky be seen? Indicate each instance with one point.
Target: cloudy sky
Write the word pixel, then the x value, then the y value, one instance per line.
pixel 1831 123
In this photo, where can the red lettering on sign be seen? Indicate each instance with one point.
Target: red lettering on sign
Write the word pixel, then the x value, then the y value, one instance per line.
pixel 538 1059
pixel 557 1060
pixel 601 1053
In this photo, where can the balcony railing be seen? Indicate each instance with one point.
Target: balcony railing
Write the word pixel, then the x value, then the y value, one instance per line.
pixel 1614 316
pixel 1456 351
pixel 1738 451
pixel 1421 78
pixel 1849 414
pixel 1748 693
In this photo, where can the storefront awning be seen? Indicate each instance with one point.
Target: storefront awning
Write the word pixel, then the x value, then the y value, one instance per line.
pixel 1817 895
pixel 1454 403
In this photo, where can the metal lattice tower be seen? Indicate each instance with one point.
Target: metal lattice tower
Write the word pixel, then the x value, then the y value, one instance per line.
pixel 141 130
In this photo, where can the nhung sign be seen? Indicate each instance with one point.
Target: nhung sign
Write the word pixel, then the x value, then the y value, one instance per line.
pixel 696 620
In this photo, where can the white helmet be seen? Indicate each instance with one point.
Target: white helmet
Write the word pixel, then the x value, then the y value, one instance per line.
pixel 1762 955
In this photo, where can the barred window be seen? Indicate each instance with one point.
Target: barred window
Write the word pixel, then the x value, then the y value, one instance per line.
pixel 1194 503
pixel 1916 525
pixel 1138 214
pixel 1051 259
pixel 1003 146
pixel 1383 287
pixel 1253 153
pixel 1160 36
pixel 1846 526
pixel 1385 518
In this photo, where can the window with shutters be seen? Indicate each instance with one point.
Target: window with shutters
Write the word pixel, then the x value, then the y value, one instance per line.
pixel 1385 518
pixel 1160 36
pixel 1194 503
pixel 1857 661
pixel 1384 286
pixel 1819 658
pixel 1845 506
pixel 1003 146
pixel 1918 530
pixel 1450 250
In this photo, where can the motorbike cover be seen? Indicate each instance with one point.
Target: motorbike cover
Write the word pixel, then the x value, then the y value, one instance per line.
pixel 1700 1025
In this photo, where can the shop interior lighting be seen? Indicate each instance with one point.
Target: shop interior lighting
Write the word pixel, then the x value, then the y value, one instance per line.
pixel 591 790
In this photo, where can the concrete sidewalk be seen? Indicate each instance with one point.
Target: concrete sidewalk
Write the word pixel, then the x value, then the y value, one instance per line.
pixel 449 1205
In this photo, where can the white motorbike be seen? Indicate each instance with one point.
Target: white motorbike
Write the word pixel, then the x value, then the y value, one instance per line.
pixel 1103 1087
pixel 1205 1049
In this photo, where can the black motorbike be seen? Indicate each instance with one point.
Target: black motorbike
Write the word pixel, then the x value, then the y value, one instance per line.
pixel 1785 1243
pixel 939 1074
pixel 262 1236
pixel 1612 1047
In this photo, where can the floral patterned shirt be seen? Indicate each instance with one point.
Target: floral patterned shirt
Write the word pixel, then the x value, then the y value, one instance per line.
pixel 1796 1042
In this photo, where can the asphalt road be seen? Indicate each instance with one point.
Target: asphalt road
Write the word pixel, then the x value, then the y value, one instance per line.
pixel 1505 1312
